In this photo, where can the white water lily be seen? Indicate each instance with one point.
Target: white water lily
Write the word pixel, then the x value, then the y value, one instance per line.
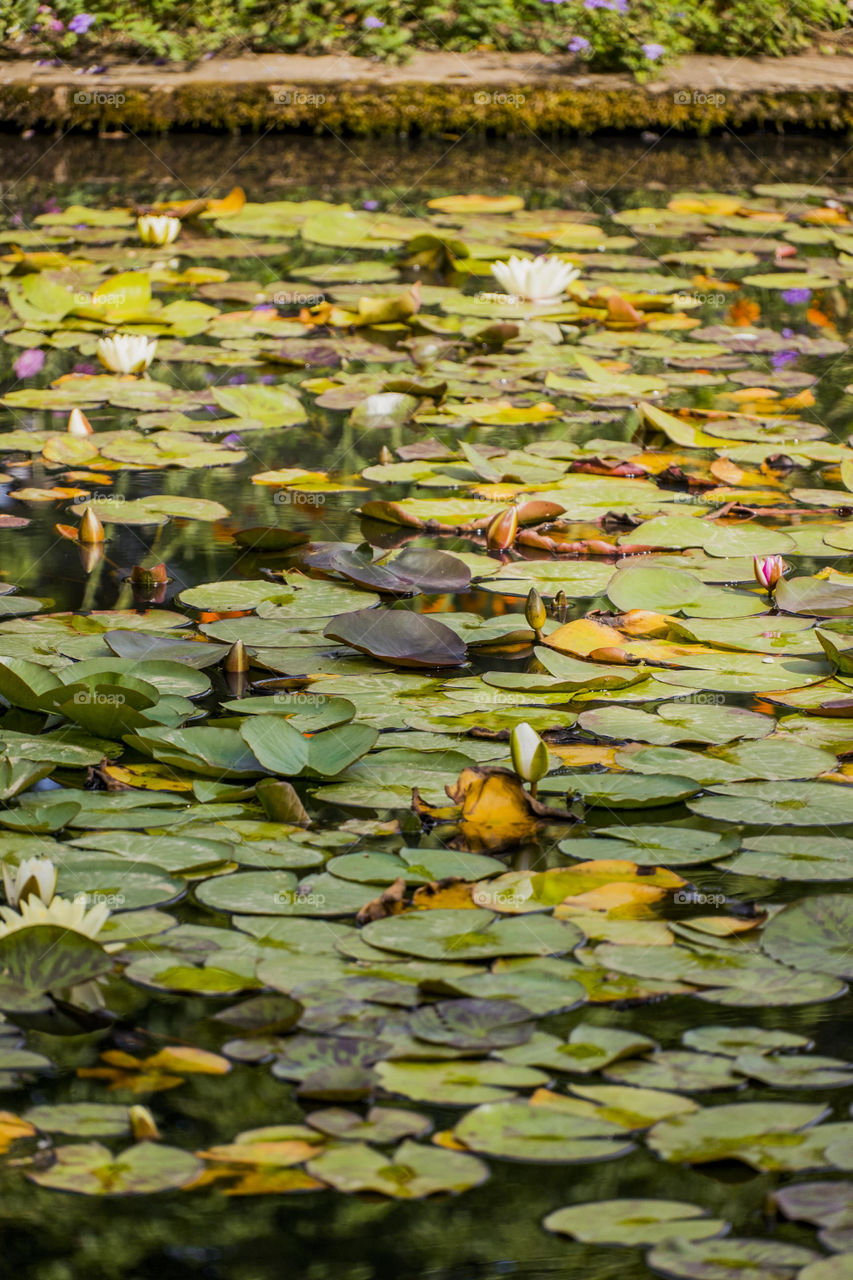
pixel 33 877
pixel 158 229
pixel 126 352
pixel 529 755
pixel 73 916
pixel 542 279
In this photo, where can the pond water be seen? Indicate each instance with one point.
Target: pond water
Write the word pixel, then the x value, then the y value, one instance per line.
pixel 336 366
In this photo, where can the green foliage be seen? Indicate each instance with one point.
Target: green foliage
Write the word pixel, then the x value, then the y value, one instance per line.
pixel 608 35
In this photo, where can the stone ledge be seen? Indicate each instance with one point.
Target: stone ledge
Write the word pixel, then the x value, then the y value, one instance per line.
pixel 433 94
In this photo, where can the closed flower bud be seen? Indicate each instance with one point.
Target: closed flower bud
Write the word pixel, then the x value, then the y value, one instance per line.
pixel 529 755
pixel 500 534
pixel 385 456
pixel 237 659
pixel 78 424
pixel 609 653
pixel 91 529
pixel 534 610
pixel 143 1126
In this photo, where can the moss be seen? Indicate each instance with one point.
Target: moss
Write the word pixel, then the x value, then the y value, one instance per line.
pixel 419 109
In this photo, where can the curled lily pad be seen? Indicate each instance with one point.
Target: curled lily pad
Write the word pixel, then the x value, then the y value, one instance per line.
pixel 398 637
pixel 813 935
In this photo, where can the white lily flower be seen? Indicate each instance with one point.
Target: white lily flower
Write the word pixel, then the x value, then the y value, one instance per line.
pixel 33 877
pixel 529 755
pixel 126 352
pixel 542 279
pixel 160 230
pixel 68 915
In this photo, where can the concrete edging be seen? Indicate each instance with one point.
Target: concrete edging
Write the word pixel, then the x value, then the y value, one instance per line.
pixel 433 94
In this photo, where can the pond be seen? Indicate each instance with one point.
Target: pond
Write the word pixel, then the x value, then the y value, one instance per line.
pixel 347 973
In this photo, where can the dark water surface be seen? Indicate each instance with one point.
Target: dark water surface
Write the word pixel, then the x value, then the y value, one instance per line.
pixel 493 1231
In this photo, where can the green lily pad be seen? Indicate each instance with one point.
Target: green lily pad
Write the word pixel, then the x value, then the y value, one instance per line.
pixel 633 1222
pixel 414 1171
pixel 90 1169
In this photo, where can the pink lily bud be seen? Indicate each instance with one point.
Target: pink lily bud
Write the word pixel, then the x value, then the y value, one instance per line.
pixel 768 570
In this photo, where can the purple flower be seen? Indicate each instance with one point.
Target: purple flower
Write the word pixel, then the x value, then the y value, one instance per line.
pixel 653 51
pixel 578 44
pixel 617 6
pixel 80 23
pixel 29 362
pixel 370 205
pixel 232 440
pixel 795 296
pixel 780 358
pixel 372 23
